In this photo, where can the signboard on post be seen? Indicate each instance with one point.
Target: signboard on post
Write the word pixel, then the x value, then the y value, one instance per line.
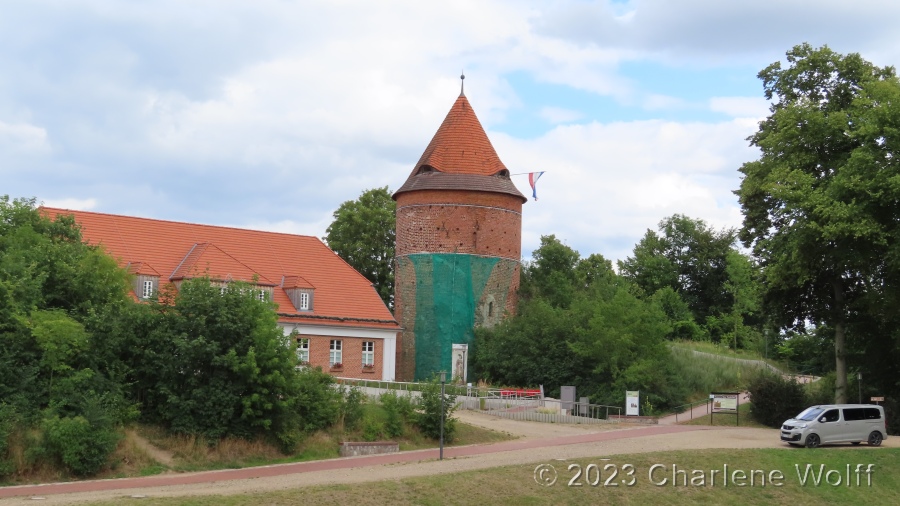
pixel 725 402
pixel 632 403
pixel 877 399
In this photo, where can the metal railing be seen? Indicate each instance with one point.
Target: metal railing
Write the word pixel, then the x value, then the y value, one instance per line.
pixel 679 411
pixel 510 403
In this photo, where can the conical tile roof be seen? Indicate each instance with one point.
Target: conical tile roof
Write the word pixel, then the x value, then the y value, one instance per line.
pixel 460 157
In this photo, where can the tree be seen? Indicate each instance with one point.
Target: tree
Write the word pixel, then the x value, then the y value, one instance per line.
pixel 215 363
pixel 690 257
pixel 806 202
pixel 362 233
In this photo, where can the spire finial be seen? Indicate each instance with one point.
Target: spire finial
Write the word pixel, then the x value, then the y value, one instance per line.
pixel 462 84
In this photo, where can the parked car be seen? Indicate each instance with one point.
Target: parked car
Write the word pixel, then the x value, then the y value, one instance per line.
pixel 836 423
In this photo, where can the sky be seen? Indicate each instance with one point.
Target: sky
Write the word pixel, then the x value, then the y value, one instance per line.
pixel 268 114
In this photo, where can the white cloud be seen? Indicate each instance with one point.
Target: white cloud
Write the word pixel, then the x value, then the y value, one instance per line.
pixel 740 107
pixel 558 115
pixel 71 203
pixel 23 138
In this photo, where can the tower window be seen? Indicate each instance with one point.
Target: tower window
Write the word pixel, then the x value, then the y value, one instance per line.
pixel 491 308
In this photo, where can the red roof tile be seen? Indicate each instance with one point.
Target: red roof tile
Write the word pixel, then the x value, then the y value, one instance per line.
pixel 342 295
pixel 460 145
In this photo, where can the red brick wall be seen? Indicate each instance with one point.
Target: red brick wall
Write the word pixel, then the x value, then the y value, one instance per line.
pixel 478 223
pixel 452 221
pixel 320 346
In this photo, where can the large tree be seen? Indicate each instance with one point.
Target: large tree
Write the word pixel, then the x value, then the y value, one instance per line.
pixel 808 210
pixel 688 256
pixel 362 233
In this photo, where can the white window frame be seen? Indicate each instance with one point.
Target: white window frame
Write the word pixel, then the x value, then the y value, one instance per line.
pixel 147 291
pixel 303 350
pixel 262 295
pixel 368 353
pixel 335 352
pixel 304 301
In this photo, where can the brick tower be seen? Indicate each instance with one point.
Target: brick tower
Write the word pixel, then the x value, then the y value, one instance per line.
pixel 459 229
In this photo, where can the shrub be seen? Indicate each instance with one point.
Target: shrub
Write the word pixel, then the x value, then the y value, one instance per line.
pixel 352 407
pixel 372 429
pixel 318 403
pixel 83 448
pixel 428 418
pixel 775 399
pixel 398 410
pixel 8 422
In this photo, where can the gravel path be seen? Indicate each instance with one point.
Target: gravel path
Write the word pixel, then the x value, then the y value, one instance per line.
pixel 538 443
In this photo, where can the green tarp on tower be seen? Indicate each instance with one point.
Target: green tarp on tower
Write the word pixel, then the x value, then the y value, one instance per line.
pixel 448 288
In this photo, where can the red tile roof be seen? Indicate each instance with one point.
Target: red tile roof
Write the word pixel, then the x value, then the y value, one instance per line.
pixel 461 157
pixel 180 250
pixel 460 145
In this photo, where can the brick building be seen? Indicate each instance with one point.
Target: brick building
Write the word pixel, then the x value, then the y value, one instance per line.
pixel 458 251
pixel 337 314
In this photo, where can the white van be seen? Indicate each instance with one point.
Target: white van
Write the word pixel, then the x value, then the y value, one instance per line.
pixel 836 423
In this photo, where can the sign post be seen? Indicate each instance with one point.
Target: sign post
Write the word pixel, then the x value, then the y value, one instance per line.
pixel 632 403
pixel 725 402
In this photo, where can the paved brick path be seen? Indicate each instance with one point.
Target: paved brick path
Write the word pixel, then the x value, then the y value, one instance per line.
pixel 333 464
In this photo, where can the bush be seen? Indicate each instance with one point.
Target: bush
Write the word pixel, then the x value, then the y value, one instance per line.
pixel 8 422
pixel 83 448
pixel 428 418
pixel 775 399
pixel 352 407
pixel 398 410
pixel 318 402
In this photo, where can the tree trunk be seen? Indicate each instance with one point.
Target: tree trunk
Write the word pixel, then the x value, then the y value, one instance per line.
pixel 840 344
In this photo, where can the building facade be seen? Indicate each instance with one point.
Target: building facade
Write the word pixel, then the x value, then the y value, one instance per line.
pixel 458 251
pixel 339 321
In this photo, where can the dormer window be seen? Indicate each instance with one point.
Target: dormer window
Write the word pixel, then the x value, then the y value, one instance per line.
pixel 426 169
pixel 302 298
pixel 147 289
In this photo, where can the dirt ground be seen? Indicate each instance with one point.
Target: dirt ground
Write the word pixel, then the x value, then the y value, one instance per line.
pixel 526 431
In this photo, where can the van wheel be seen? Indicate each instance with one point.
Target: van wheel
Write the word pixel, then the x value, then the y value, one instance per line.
pixel 875 438
pixel 813 440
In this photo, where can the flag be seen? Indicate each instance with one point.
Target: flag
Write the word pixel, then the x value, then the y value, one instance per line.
pixel 532 180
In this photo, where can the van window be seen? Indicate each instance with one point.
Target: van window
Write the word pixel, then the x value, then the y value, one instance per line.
pixel 872 413
pixel 809 414
pixel 851 414
pixel 832 415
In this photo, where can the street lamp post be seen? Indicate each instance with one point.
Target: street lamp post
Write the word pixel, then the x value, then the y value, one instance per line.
pixel 859 385
pixel 443 379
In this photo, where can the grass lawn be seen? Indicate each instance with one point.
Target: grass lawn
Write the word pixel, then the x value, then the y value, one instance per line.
pixel 724 419
pixel 517 484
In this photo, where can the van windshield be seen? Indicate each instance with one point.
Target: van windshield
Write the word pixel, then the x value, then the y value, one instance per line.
pixel 809 414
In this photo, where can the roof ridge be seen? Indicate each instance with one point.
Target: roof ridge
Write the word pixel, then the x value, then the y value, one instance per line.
pixel 60 210
pixel 183 259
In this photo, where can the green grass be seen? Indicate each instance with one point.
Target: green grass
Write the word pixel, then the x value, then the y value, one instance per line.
pixel 726 419
pixel 725 351
pixel 517 485
pixel 704 374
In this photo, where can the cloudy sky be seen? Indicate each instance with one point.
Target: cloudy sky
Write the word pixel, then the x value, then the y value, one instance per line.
pixel 269 113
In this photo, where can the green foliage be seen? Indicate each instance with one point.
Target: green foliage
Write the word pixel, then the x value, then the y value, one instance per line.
pixel 352 407
pixel 428 416
pixel 398 411
pixel 81 446
pixel 690 258
pixel 580 324
pixel 819 208
pixel 775 399
pixel 362 233
pixel 9 420
pixel 318 401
